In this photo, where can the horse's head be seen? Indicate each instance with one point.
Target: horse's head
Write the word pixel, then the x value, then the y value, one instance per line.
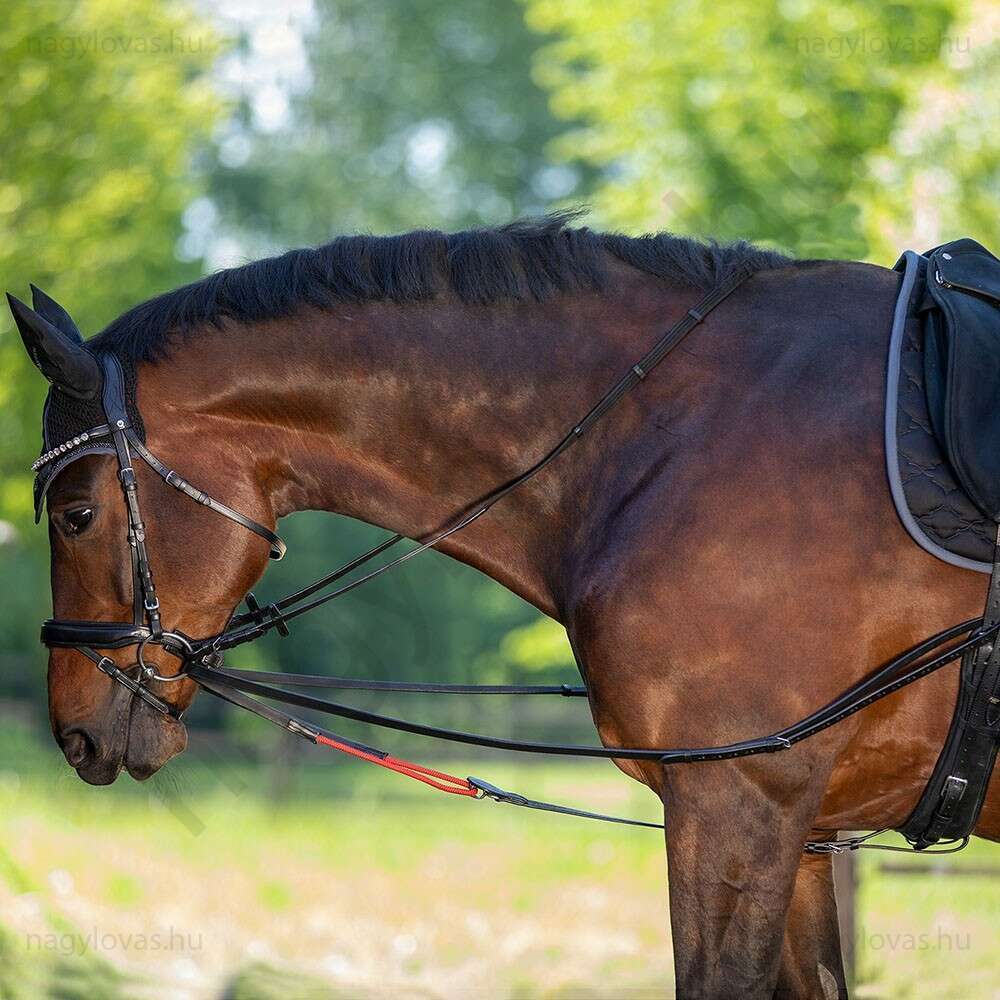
pixel 136 573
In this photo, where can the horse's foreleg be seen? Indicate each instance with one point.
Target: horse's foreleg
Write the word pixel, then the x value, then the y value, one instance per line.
pixel 811 962
pixel 734 846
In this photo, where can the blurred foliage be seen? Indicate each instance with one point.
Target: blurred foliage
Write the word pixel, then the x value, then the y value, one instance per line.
pixel 54 963
pixel 940 178
pixel 263 982
pixel 96 148
pixel 415 114
pixel 762 119
pixel 103 103
pixel 538 645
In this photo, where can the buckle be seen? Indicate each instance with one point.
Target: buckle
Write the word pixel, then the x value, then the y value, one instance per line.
pixel 828 846
pixel 106 665
pixel 271 615
pixel 951 795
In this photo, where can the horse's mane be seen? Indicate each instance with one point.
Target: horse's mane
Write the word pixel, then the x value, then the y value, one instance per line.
pixel 531 259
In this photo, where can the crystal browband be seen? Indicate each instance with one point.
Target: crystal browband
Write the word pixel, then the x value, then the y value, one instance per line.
pixel 74 442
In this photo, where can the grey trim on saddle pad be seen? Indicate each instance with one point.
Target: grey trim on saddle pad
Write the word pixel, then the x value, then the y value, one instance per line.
pixel 934 509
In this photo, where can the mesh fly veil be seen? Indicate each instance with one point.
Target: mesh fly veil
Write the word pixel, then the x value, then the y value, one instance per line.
pixel 66 423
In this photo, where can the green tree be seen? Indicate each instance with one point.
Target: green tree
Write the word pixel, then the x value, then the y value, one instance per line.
pixel 745 119
pixel 104 102
pixel 417 113
pixel 940 177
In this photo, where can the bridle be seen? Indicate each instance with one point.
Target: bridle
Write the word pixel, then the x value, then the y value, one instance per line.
pixel 146 627
pixel 201 659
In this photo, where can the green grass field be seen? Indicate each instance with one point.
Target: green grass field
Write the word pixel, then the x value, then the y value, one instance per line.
pixel 359 884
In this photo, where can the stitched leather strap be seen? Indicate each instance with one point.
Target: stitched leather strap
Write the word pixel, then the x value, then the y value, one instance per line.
pixel 950 804
pixel 106 665
pixel 904 670
pixel 171 478
pixel 245 628
pixel 405 687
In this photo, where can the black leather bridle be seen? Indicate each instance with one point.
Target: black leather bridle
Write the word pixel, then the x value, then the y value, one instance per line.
pixel 146 627
pixel 201 659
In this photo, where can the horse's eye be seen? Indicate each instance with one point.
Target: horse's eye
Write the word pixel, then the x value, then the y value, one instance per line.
pixel 77 519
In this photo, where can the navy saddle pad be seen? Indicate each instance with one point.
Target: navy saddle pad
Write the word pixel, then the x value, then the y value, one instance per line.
pixel 943 402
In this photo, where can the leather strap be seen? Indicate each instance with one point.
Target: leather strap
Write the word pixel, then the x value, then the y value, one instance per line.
pixel 950 804
pixel 513 799
pixel 405 687
pixel 64 632
pixel 245 628
pixel 106 665
pixel 903 670
pixel 171 478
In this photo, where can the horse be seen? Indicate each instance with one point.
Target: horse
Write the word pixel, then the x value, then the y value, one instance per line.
pixel 722 549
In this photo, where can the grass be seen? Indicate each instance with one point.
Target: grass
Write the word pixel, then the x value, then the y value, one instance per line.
pixel 357 884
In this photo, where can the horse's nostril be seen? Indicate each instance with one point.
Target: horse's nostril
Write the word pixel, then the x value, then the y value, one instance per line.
pixel 77 747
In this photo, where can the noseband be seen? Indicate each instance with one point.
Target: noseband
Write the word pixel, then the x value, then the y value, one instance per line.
pixel 146 628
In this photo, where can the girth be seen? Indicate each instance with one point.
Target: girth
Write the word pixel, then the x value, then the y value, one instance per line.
pixel 950 804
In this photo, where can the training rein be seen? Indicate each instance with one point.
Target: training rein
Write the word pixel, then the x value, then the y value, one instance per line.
pixel 201 660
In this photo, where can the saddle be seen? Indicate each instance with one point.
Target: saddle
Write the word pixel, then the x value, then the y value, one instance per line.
pixel 943 461
pixel 962 365
pixel 943 402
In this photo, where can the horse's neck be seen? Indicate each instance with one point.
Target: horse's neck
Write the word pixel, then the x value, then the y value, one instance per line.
pixel 403 415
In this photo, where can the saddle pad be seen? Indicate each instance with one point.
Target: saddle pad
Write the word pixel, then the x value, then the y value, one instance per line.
pixel 936 511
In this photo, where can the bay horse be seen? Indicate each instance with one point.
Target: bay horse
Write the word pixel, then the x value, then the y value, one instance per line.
pixel 722 550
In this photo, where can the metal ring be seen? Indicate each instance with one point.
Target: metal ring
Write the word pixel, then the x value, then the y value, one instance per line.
pixel 148 673
pixel 178 639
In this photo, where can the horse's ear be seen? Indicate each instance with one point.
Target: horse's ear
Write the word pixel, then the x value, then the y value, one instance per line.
pixel 49 309
pixel 60 358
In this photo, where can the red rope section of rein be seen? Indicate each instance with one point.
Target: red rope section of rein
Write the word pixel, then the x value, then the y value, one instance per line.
pixel 436 779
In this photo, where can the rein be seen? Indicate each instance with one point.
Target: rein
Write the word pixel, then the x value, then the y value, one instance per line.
pixel 257 622
pixel 201 659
